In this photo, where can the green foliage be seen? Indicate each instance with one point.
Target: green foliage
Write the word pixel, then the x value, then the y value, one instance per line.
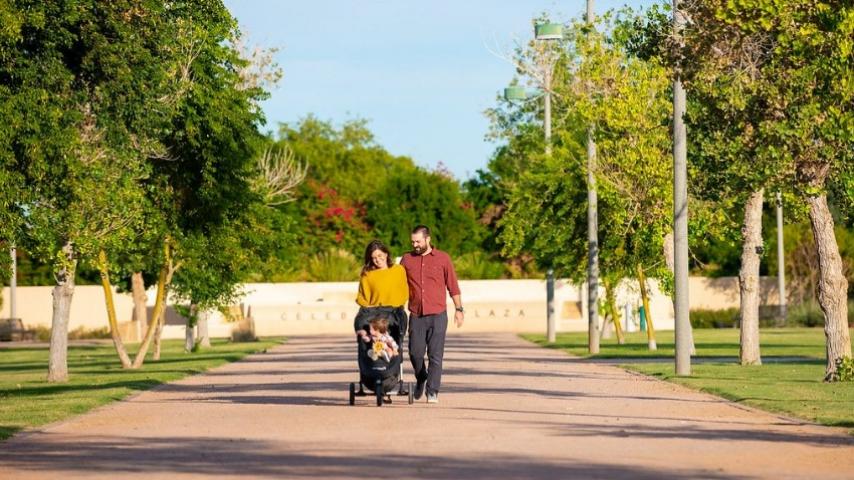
pixel 347 158
pixel 807 314
pixel 88 112
pixel 331 266
pixel 478 265
pixel 725 318
pixel 546 215
pixel 844 370
pixel 773 94
pixel 622 98
pixel 188 312
pixel 801 262
pixel 42 333
pixel 410 198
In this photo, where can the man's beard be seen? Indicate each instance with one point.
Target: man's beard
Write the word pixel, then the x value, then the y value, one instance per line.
pixel 418 250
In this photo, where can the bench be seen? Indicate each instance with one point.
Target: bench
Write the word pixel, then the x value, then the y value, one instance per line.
pixel 12 330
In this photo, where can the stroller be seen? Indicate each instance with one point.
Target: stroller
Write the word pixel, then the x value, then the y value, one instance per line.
pixel 380 376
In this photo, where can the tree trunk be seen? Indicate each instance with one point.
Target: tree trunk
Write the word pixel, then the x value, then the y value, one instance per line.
pixel 748 279
pixel 158 334
pixel 140 313
pixel 611 305
pixel 832 284
pixel 189 338
pixel 668 251
pixel 202 322
pixel 111 310
pixel 592 248
pixel 618 323
pixel 650 331
pixel 62 294
pixel 605 328
pixel 159 307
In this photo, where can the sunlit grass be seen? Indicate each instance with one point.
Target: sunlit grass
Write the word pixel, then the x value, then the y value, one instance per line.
pixel 96 378
pixel 790 381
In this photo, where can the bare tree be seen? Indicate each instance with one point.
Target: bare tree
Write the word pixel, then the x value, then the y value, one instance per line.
pixel 279 175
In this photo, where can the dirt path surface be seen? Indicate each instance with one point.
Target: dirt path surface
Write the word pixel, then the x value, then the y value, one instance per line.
pixel 508 410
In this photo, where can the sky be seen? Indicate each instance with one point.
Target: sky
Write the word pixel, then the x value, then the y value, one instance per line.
pixel 421 72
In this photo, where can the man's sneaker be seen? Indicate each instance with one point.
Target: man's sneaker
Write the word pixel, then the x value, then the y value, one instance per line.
pixel 432 398
pixel 419 388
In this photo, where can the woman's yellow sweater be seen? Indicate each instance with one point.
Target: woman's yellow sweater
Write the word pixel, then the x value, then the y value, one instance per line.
pixel 383 288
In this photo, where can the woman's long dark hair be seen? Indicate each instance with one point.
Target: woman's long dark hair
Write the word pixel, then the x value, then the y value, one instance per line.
pixel 369 261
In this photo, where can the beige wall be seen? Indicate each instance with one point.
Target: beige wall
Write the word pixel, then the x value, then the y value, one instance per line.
pixel 305 308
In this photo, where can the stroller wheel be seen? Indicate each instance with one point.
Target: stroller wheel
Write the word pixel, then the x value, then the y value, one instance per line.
pixel 402 388
pixel 379 392
pixel 411 395
pixel 352 394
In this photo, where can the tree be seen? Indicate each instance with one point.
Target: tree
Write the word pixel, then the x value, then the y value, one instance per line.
pixel 624 97
pixel 788 85
pixel 346 168
pixel 92 87
pixel 209 183
pixel 417 197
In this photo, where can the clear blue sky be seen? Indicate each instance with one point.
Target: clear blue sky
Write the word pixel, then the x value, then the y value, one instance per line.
pixel 419 71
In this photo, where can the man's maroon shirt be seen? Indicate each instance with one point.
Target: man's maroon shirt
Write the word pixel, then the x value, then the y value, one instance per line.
pixel 428 277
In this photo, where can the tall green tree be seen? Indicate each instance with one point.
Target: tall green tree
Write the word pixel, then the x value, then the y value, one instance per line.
pixel 418 197
pixel 93 86
pixel 782 75
pixel 625 99
pixel 203 193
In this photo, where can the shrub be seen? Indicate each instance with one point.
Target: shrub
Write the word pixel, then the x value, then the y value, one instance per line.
pixel 80 333
pixel 332 266
pixel 478 266
pixel 726 318
pixel 844 370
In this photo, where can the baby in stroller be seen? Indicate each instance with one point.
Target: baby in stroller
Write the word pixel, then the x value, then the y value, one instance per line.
pixel 382 345
pixel 379 332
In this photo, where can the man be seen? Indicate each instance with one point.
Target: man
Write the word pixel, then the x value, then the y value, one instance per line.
pixel 429 273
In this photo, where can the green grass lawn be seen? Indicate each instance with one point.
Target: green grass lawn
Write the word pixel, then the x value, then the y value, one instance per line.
pixel 789 382
pixel 96 378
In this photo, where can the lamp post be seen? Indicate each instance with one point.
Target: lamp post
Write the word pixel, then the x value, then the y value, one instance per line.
pixel 548 32
pixel 592 230
pixel 544 32
pixel 515 94
pixel 680 216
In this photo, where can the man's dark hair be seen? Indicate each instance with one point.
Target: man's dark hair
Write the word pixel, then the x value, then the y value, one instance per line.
pixel 422 229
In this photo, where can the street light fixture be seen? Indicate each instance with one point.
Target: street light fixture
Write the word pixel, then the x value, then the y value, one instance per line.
pixel 548 31
pixel 515 94
pixel 543 32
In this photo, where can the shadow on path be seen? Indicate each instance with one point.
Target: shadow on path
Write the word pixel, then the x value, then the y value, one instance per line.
pixel 254 458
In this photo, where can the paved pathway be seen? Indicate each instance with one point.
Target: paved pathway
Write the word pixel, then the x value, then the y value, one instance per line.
pixel 508 410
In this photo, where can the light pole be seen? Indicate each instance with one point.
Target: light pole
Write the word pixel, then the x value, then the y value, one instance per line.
pixel 592 230
pixel 516 93
pixel 680 215
pixel 544 32
pixel 547 32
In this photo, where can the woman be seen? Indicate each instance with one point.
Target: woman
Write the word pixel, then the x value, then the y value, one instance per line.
pixel 382 289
